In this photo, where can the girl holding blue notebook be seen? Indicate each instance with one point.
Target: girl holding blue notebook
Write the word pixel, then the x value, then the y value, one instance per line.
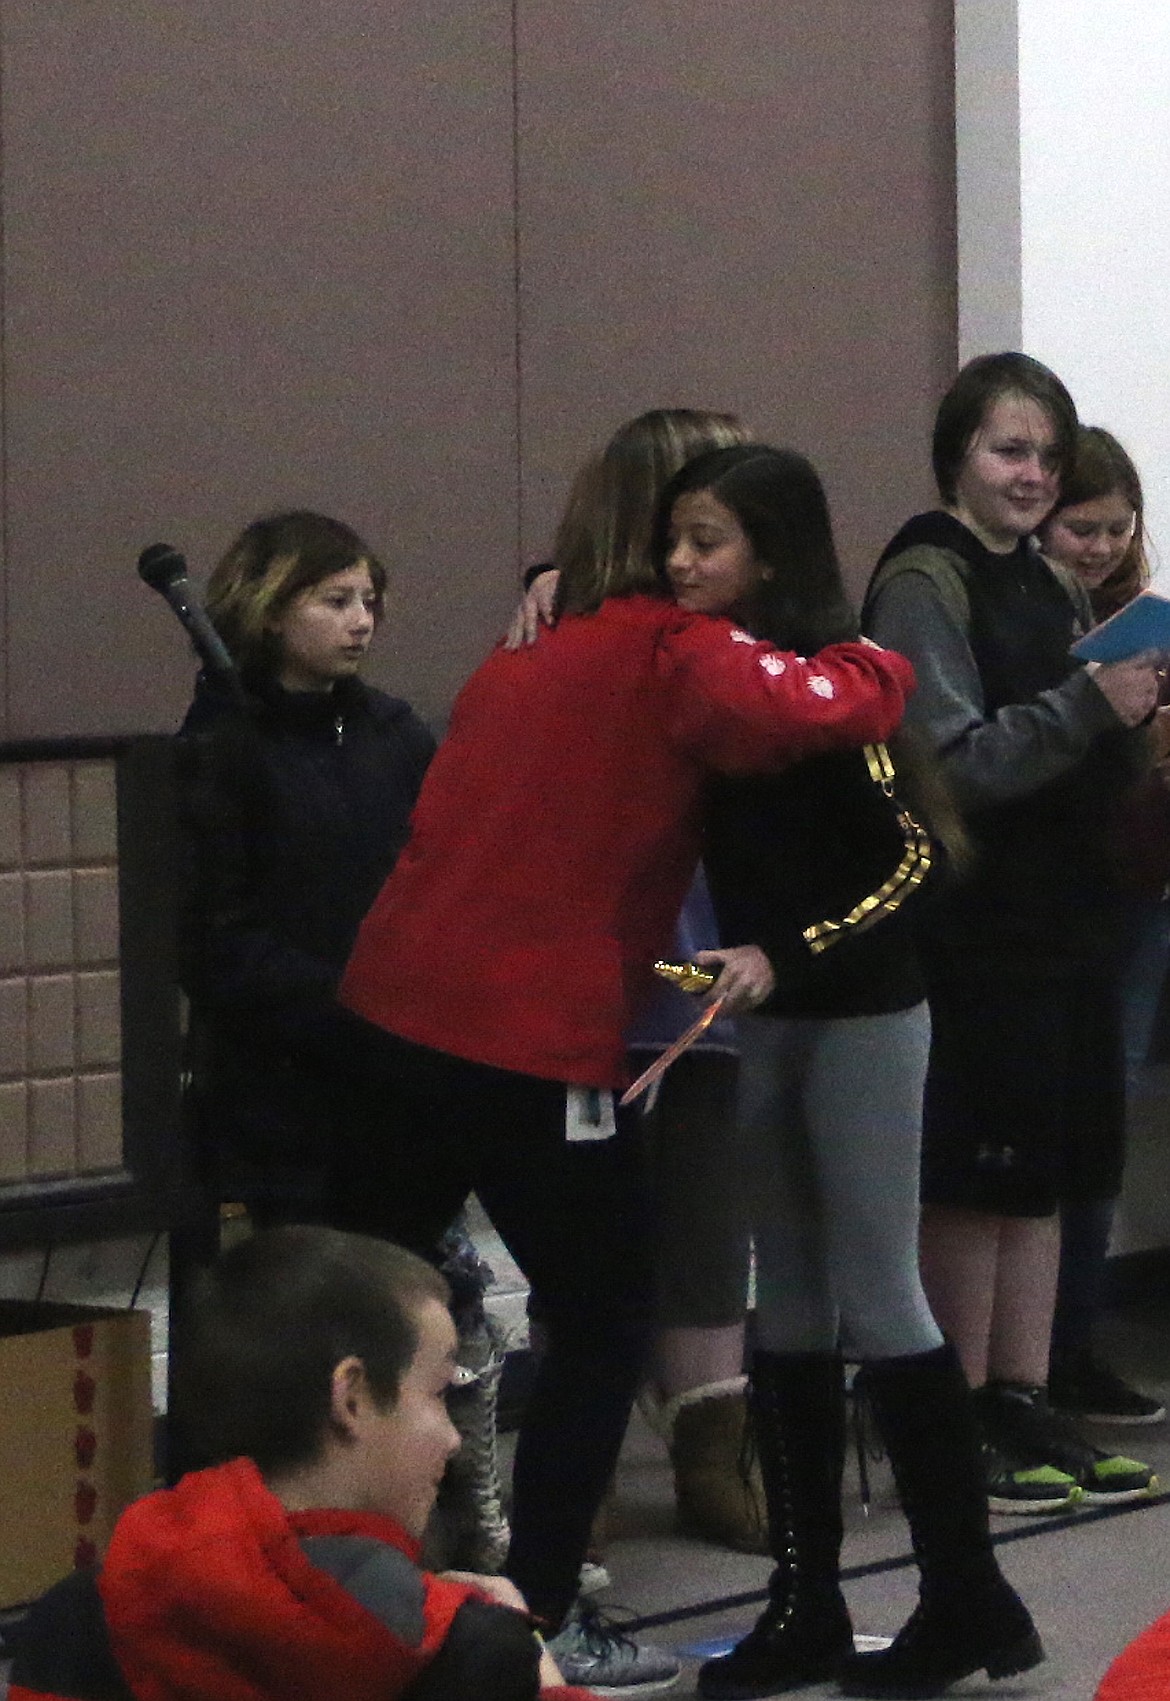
pixel 1097 533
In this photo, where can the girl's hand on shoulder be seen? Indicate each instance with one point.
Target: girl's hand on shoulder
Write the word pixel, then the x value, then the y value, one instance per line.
pixel 745 978
pixel 534 611
pixel 550 1675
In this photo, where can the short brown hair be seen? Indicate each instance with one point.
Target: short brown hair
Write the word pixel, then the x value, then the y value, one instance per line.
pixel 269 1322
pixel 271 562
pixel 603 543
pixel 980 384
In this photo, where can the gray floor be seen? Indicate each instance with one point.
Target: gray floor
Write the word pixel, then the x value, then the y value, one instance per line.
pixel 1091 1580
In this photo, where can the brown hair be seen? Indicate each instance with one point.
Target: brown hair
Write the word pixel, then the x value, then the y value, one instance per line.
pixel 267 567
pixel 778 499
pixel 978 386
pixel 1101 467
pixel 603 543
pixel 269 1322
pixel 780 503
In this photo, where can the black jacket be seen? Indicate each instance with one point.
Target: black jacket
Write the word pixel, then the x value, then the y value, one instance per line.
pixel 788 850
pixel 295 810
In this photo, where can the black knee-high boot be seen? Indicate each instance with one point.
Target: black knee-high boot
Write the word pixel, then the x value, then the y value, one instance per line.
pixel 797 1404
pixel 968 1618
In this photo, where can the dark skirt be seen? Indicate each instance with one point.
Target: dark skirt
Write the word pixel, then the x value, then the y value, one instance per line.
pixel 1025 1090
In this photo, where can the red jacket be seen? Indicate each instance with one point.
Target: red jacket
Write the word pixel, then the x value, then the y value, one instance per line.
pixel 212 1592
pixel 557 829
pixel 1141 1672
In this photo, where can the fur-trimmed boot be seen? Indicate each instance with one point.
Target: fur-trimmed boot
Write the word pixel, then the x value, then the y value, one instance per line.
pixel 718 1489
pixel 797 1404
pixel 968 1617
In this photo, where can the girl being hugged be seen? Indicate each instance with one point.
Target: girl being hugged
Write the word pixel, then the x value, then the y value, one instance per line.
pixel 833 1061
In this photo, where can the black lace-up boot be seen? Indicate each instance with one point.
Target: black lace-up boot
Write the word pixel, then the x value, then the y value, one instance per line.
pixel 968 1618
pixel 797 1405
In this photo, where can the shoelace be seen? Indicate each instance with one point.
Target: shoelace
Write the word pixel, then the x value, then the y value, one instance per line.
pixel 867 1441
pixel 1044 1428
pixel 600 1633
pixel 745 1463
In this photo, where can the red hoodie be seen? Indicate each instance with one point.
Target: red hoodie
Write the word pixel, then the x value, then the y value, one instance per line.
pixel 1141 1672
pixel 212 1592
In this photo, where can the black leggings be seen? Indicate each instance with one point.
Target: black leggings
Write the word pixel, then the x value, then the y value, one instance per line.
pixel 423 1130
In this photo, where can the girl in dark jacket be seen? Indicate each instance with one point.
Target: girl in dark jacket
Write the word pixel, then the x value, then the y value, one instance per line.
pixel 297 805
pixel 814 873
pixel 298 802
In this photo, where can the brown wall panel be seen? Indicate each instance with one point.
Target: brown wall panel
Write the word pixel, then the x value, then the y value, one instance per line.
pixel 749 207
pixel 264 253
pixel 254 255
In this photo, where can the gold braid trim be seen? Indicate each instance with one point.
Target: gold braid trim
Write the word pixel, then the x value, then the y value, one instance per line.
pixel 910 872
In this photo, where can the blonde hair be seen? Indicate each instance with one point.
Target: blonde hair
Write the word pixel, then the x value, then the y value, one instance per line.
pixel 271 562
pixel 603 543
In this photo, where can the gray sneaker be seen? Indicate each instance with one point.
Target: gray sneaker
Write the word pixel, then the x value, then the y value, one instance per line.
pixel 593 1577
pixel 593 1652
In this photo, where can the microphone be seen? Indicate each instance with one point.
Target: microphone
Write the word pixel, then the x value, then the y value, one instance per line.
pixel 165 571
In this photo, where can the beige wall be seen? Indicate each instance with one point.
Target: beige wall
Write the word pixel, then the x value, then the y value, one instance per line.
pixel 409 262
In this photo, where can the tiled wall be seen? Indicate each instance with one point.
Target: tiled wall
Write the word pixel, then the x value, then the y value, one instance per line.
pixel 60 1035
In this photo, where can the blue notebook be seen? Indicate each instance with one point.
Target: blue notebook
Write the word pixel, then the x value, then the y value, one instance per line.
pixel 1143 624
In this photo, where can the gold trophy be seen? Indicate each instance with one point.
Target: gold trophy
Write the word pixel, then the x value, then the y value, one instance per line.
pixel 688 977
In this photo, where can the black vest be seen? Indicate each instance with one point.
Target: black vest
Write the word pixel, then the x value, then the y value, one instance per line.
pixel 1044 886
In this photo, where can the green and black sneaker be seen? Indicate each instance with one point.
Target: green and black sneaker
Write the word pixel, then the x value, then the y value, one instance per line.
pixel 1016 1487
pixel 1018 1420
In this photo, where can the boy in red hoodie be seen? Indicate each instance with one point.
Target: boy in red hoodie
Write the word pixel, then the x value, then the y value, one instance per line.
pixel 316 1366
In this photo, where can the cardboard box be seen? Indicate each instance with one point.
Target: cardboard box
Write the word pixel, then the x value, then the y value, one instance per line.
pixel 76 1436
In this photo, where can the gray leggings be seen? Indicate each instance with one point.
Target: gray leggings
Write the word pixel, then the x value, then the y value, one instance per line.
pixel 831 1115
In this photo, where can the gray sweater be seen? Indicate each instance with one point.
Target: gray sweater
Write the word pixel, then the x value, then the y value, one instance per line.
pixel 988 759
pixel 1035 755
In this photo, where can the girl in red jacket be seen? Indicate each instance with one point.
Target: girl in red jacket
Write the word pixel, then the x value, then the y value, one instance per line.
pixel 496 974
